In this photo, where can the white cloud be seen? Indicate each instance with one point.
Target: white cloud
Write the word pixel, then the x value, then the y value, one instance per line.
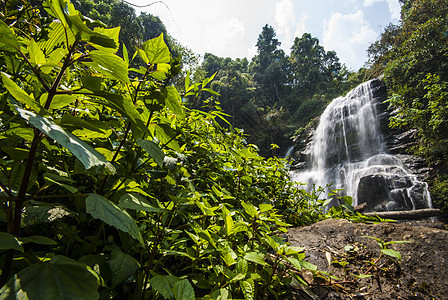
pixel 285 18
pixel 394 7
pixel 349 35
pixel 225 38
pixel 301 27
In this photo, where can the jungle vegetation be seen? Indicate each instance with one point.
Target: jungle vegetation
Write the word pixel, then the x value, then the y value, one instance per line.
pixel 130 169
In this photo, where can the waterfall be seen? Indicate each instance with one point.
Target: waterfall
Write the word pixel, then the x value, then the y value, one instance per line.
pixel 349 152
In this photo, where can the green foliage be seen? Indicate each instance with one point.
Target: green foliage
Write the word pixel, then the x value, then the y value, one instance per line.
pixel 107 180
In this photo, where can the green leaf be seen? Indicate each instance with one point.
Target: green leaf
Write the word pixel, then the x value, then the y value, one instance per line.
pixel 255 257
pixel 8 40
pixel 248 288
pixel 61 101
pixel 228 255
pixel 103 209
pixel 122 266
pixel 166 136
pixel 221 294
pixel 92 83
pixel 137 202
pixel 8 241
pixel 52 178
pixel 37 56
pixel 20 95
pixel 153 150
pixel 88 156
pixel 249 209
pixel 157 51
pixel 51 281
pixel 164 284
pixel 173 101
pixel 110 65
pixel 112 33
pixel 392 253
pixel 38 239
pixel 183 290
pixel 228 221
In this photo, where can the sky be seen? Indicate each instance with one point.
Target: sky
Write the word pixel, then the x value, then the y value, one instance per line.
pixel 230 28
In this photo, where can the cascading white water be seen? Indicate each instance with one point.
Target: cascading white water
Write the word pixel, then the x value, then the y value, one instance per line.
pixel 348 151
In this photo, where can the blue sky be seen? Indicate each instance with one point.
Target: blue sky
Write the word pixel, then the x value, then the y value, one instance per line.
pixel 230 28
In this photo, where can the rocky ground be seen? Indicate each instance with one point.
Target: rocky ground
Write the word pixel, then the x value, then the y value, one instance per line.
pixel 361 271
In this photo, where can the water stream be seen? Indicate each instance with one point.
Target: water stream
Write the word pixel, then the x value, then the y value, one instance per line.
pixel 348 150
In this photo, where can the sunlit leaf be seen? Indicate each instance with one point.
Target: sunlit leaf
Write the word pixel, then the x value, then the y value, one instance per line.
pixel 20 95
pixel 109 65
pixel 157 51
pixel 137 202
pixel 88 156
pixel 8 41
pixel 37 56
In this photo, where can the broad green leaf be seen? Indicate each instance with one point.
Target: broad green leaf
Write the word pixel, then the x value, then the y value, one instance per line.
pixel 183 290
pixel 173 101
pixel 137 202
pixel 92 125
pixel 164 284
pixel 38 239
pixel 110 65
pixel 122 266
pixel 166 135
pixel 51 281
pixel 242 266
pixel 392 253
pixel 238 277
pixel 248 288
pixel 161 71
pixel 228 221
pixel 157 51
pixel 20 95
pixel 61 101
pixel 92 83
pixel 8 241
pixel 103 209
pixel 265 207
pixel 221 294
pixel 112 33
pixel 153 150
pixel 8 40
pixel 37 56
pixel 255 257
pixel 125 106
pixel 88 156
pixel 56 179
pixel 228 255
pixel 57 36
pixel 249 209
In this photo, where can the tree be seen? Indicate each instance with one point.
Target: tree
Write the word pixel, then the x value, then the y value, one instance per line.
pixel 270 66
pixel 313 69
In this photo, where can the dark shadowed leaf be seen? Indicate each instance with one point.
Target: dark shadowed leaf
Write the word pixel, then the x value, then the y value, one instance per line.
pixel 101 208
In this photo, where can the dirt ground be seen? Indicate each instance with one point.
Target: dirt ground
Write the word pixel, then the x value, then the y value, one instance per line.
pixel 339 248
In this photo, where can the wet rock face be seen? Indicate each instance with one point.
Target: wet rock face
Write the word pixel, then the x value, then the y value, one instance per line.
pixel 391 193
pixel 353 148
